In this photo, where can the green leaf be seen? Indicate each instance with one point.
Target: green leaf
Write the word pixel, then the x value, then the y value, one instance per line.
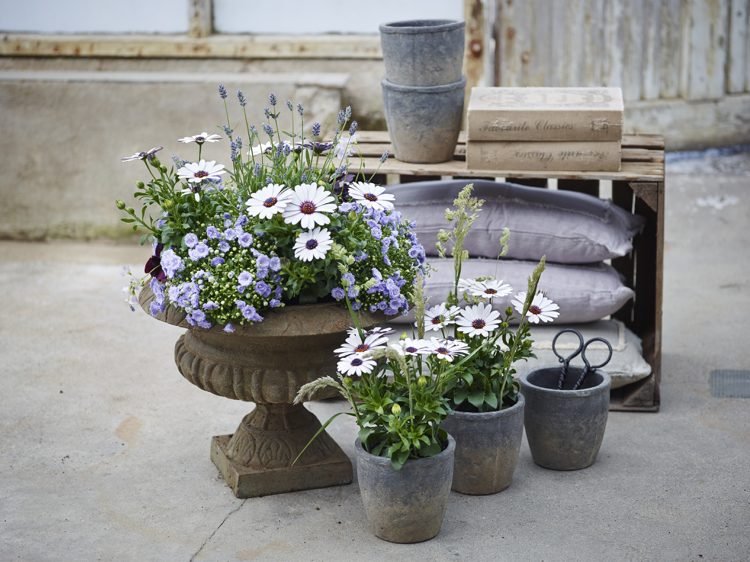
pixel 476 398
pixel 468 377
pixel 491 399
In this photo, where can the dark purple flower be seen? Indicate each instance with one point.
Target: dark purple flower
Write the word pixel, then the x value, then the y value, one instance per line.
pixel 153 265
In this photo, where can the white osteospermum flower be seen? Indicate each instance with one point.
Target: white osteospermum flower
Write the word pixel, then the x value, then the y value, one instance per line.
pixel 142 155
pixel 308 204
pixel 439 316
pixel 313 244
pixel 345 146
pixel 262 148
pixel 371 196
pixel 355 365
pixel 478 320
pixel 200 138
pixel 268 201
pixel 467 286
pixel 196 172
pixel 491 288
pixel 448 349
pixel 541 308
pixel 412 347
pixel 356 345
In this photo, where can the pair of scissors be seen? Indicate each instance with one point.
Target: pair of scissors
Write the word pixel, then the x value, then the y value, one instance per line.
pixel 580 350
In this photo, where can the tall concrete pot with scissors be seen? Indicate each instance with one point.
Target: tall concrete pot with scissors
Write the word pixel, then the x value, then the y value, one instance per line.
pixel 566 408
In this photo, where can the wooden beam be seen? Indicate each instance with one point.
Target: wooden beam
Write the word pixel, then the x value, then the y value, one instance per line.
pixel 185 47
pixel 201 18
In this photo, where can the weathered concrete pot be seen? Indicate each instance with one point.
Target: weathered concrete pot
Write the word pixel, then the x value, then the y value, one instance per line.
pixel 407 505
pixel 424 121
pixel 267 363
pixel 565 428
pixel 423 52
pixel 487 447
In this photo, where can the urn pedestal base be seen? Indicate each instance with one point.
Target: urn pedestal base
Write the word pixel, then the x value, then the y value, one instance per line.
pixel 257 459
pixel 247 482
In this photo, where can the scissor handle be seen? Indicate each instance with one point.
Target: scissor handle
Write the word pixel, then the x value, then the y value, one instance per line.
pixel 589 366
pixel 578 350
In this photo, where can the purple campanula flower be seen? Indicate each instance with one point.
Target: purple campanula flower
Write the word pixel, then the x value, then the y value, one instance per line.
pixel 376 274
pixel 377 233
pixel 212 232
pixel 224 246
pixel 263 261
pixel 171 263
pixel 229 329
pixel 347 279
pixel 352 292
pixel 210 305
pixel 245 278
pixel 356 306
pixel 262 288
pixel 217 261
pixel 274 264
pixel 199 251
pixel 230 233
pixel 274 303
pixel 190 240
pixel 360 256
pixel 245 239
pixel 338 293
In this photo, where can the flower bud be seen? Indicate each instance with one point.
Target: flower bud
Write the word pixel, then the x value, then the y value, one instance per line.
pixel 120 204
pixel 347 382
pixel 168 204
pixel 422 381
pixel 140 185
pixel 396 409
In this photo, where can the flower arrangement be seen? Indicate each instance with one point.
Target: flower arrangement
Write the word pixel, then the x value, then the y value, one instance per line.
pixel 396 391
pixel 485 382
pixel 284 223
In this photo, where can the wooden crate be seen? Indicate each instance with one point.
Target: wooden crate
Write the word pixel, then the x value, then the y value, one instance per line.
pixel 638 187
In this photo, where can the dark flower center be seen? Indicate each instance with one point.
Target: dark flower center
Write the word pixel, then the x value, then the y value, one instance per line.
pixel 443 350
pixel 311 244
pixel 307 207
pixel 356 362
pixel 201 174
pixel 371 197
pixel 411 349
pixel 534 309
pixel 361 348
pixel 478 324
pixel 490 291
pixel 270 202
pixel 200 140
pixel 437 320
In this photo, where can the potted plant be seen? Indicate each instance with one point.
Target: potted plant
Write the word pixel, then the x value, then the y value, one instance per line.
pixel 487 409
pixel 255 260
pixel 404 456
pixel 567 408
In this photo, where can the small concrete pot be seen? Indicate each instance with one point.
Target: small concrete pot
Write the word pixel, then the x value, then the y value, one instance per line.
pixel 423 52
pixel 565 428
pixel 424 121
pixel 487 447
pixel 407 505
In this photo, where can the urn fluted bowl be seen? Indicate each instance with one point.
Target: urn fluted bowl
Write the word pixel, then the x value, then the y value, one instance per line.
pixel 267 363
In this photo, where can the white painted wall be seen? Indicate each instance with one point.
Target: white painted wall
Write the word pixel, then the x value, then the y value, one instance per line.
pixel 325 16
pixel 230 16
pixel 94 16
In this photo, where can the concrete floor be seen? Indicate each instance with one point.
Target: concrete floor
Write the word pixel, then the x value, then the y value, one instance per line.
pixel 105 446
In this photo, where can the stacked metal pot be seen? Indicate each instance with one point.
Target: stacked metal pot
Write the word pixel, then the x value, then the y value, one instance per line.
pixel 423 89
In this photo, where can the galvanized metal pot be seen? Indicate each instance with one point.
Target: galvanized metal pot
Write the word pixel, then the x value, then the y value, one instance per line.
pixel 424 121
pixel 487 447
pixel 565 428
pixel 407 505
pixel 423 52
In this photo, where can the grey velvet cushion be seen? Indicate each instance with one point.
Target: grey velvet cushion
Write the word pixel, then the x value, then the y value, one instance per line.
pixel 584 292
pixel 565 226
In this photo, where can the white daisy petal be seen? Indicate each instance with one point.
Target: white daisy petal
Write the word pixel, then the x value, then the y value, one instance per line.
pixel 307 206
pixel 371 196
pixel 439 316
pixel 541 309
pixel 196 172
pixel 268 201
pixel 355 365
pixel 313 244
pixel 491 288
pixel 200 138
pixel 478 320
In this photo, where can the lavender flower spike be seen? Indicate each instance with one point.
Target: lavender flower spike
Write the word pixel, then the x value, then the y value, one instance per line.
pixel 222 91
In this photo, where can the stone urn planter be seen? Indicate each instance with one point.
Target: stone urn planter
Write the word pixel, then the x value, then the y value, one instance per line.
pixel 423 52
pixel 565 428
pixel 487 448
pixel 406 505
pixel 267 363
